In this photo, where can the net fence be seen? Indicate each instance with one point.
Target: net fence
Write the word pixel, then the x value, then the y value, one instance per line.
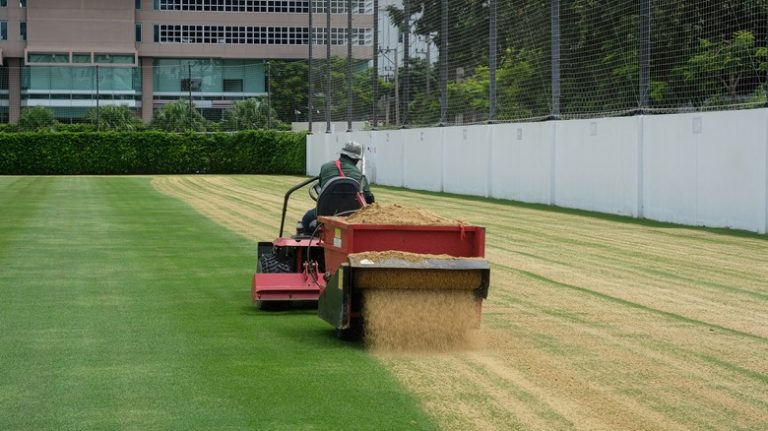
pixel 411 63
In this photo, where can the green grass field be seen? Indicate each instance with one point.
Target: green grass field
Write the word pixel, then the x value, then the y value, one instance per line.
pixel 123 308
pixel 124 304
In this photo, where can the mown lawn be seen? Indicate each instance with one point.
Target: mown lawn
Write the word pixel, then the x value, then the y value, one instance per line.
pixel 592 322
pixel 122 308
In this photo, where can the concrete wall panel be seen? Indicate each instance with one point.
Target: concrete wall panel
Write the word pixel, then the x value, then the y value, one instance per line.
pixel 521 161
pixel 423 158
pixel 596 165
pixel 466 160
pixel 388 158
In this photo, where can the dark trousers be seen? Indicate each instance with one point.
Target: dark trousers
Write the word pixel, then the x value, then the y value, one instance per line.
pixel 308 218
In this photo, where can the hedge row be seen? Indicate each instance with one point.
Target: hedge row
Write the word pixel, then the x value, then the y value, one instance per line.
pixel 64 153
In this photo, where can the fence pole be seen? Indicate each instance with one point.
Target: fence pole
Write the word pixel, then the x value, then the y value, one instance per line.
pixel 645 53
pixel 406 58
pixel 311 41
pixel 189 85
pixel 349 65
pixel 555 59
pixel 492 62
pixel 329 81
pixel 444 62
pixel 98 106
pixel 375 81
pixel 269 94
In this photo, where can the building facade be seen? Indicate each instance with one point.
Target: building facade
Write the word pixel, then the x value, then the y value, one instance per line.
pixel 74 55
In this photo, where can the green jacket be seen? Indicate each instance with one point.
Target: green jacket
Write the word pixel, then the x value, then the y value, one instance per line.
pixel 350 169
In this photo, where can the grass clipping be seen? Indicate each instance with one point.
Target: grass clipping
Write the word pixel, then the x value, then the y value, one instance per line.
pixel 415 310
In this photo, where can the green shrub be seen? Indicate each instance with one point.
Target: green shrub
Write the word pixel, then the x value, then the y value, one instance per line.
pixel 117 118
pixel 250 114
pixel 75 128
pixel 37 118
pixel 179 116
pixel 151 152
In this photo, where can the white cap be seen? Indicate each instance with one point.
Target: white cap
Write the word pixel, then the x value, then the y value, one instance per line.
pixel 353 150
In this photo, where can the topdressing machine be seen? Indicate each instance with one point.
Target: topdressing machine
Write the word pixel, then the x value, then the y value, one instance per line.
pixel 330 264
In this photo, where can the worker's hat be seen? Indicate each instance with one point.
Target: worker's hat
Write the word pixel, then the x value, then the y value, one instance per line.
pixel 353 150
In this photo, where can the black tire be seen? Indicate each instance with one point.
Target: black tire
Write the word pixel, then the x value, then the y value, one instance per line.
pixel 271 264
pixel 353 333
pixel 272 305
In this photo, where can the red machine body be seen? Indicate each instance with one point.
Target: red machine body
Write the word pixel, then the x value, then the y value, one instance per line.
pixel 338 239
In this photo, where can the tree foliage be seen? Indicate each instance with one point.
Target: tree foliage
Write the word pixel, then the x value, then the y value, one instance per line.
pixel 37 118
pixel 179 116
pixel 111 117
pixel 251 114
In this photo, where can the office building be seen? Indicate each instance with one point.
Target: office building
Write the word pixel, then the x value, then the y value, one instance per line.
pixel 72 55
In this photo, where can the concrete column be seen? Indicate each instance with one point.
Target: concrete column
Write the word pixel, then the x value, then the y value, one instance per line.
pixel 14 89
pixel 147 93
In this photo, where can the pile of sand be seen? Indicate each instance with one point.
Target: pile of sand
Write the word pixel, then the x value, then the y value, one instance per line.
pixel 397 214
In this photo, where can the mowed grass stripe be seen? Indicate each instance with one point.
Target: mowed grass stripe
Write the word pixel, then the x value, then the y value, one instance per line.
pixel 604 322
pixel 125 309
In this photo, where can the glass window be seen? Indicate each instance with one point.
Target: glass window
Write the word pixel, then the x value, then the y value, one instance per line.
pixel 22 3
pixel 23 31
pixel 3 30
pixel 81 58
pixel 46 57
pixel 233 85
pixel 138 4
pixel 3 3
pixel 138 32
pixel 114 58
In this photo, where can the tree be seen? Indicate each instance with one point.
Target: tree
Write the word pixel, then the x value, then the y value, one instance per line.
pixel 720 68
pixel 111 117
pixel 251 114
pixel 37 118
pixel 179 116
pixel 290 89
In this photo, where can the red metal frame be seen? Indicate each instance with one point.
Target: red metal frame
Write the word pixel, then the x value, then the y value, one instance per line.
pixel 339 239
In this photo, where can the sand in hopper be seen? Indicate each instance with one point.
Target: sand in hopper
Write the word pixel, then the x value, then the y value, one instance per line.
pixel 398 215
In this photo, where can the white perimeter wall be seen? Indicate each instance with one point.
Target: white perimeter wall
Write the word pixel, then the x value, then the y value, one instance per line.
pixel 708 169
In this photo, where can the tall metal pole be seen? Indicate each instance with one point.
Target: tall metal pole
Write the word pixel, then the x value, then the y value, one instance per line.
pixel 311 41
pixel 645 53
pixel 406 58
pixel 329 81
pixel 429 66
pixel 98 96
pixel 349 65
pixel 555 59
pixel 189 85
pixel 269 94
pixel 444 63
pixel 374 119
pixel 492 62
pixel 397 88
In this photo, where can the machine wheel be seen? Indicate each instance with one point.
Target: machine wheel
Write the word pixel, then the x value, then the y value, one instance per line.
pixel 269 263
pixel 353 333
pixel 272 305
